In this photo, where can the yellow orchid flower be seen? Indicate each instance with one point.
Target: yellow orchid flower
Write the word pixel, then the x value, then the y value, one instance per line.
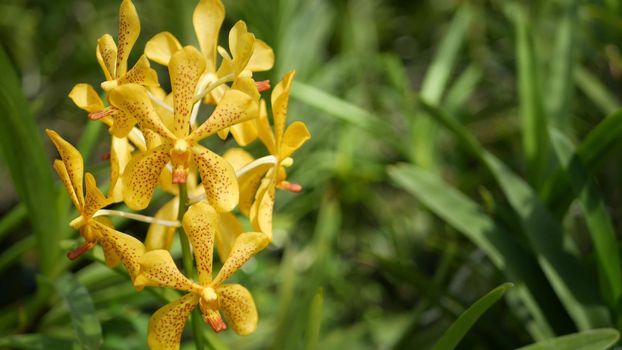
pixel 117 246
pixel 113 61
pixel 248 55
pixel 113 58
pixel 258 184
pixel 157 268
pixel 180 146
pixel 125 137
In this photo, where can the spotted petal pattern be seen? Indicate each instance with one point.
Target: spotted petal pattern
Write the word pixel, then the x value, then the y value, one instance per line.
pixel 218 179
pixel 245 247
pixel 141 176
pixel 167 324
pixel 200 224
pixel 157 268
pixel 238 308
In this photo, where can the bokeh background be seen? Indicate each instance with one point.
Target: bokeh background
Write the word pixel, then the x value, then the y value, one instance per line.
pixel 457 145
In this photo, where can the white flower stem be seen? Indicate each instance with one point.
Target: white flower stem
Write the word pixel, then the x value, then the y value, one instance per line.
pixel 137 217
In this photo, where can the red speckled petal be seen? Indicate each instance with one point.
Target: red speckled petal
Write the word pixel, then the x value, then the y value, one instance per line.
pixel 141 176
pixel 234 107
pixel 74 165
pixel 133 100
pixel 167 324
pixel 94 200
pixel 245 247
pixel 200 223
pixel 129 29
pixel 158 269
pixel 218 178
pixel 238 308
pixel 106 53
pixel 185 69
pixel 126 247
pixel 141 74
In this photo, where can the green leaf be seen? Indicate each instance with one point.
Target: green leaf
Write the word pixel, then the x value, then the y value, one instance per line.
pixel 467 319
pixel 595 339
pixel 35 342
pixel 423 148
pixel 592 150
pixel 532 116
pixel 595 90
pixel 559 261
pixel 315 320
pixel 23 152
pixel 597 218
pixel 503 249
pixel 85 323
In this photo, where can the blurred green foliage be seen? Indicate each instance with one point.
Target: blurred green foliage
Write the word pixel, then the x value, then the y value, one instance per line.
pixel 457 145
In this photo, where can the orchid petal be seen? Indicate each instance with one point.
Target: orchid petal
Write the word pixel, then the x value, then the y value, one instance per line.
pixel 241 44
pixel 129 29
pixel 167 324
pixel 218 178
pixel 61 170
pixel 120 155
pixel 74 165
pixel 128 248
pixel 141 176
pixel 295 136
pixel 86 98
pixel 106 53
pixel 264 131
pixel 245 247
pixel 185 69
pixel 133 100
pixel 200 224
pixel 280 100
pixel 229 230
pixel 234 107
pixel 262 58
pixel 161 47
pixel 141 74
pixel 238 308
pixel 160 236
pixel 263 206
pixel 94 200
pixel 158 269
pixel 207 19
pixel 249 184
pixel 110 253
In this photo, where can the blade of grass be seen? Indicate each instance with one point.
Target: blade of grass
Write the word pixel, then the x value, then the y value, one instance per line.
pixel 532 117
pixel 597 219
pixel 12 219
pixel 561 82
pixel 592 151
pixel 423 132
pixel 85 323
pixel 505 251
pixel 314 323
pixel 560 263
pixel 467 319
pixel 594 339
pixel 595 90
pixel 22 149
pixel 35 342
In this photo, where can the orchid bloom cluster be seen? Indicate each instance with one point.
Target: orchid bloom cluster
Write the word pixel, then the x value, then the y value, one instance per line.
pixel 155 141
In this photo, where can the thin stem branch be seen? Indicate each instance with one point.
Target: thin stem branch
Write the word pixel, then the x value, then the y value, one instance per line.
pixel 137 217
pixel 162 104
